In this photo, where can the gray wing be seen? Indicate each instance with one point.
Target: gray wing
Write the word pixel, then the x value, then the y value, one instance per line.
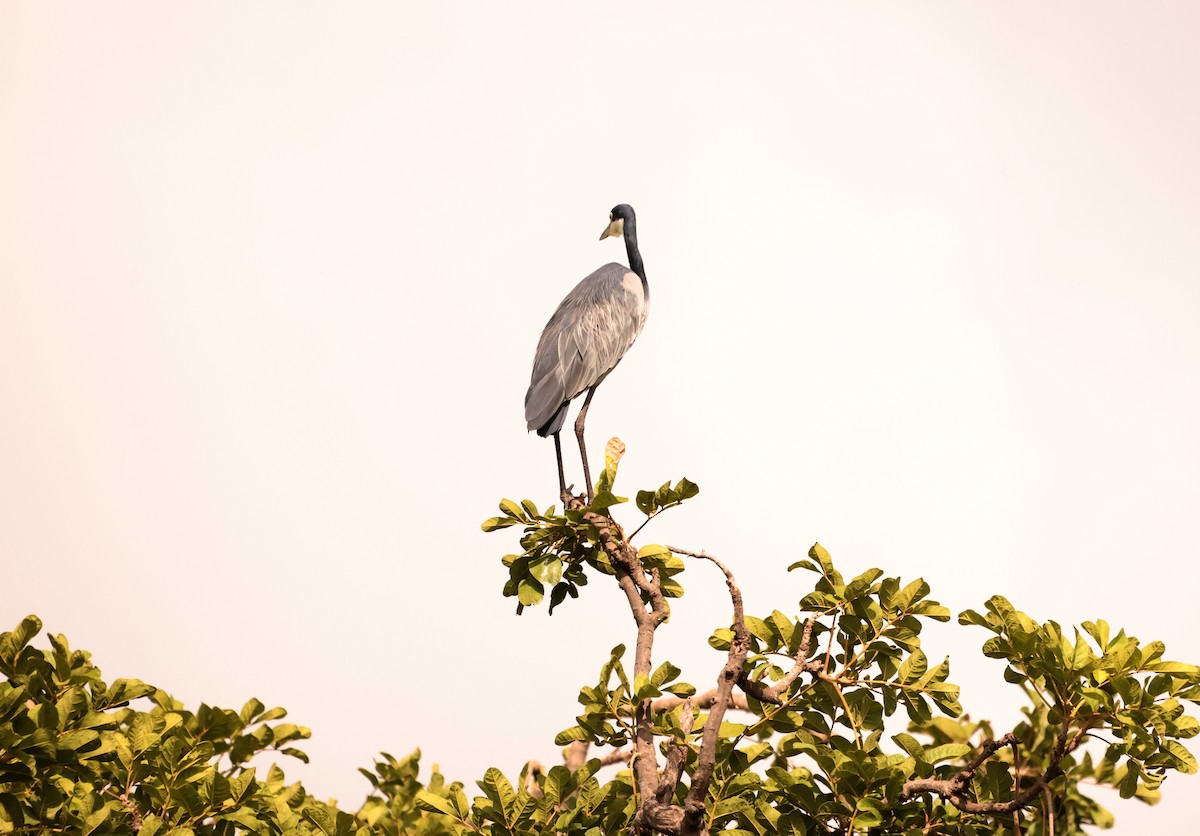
pixel 587 336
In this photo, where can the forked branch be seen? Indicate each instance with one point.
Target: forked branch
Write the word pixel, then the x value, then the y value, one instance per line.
pixel 774 692
pixel 643 592
pixel 735 662
pixel 954 789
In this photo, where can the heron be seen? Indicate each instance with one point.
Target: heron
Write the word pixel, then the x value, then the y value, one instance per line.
pixel 582 343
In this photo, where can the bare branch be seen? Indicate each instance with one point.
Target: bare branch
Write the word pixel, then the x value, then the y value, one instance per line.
pixel 956 786
pixel 1048 808
pixel 676 757
pixel 954 789
pixel 575 754
pixel 532 770
pixel 622 755
pixel 704 700
pixel 774 692
pixel 734 664
pixel 634 582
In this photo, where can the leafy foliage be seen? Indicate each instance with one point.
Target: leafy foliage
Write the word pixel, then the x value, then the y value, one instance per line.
pixel 76 757
pixel 845 723
pixel 819 759
pixel 1111 683
pixel 558 548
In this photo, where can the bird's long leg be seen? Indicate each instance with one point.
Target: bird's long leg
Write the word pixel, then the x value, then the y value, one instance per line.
pixel 562 479
pixel 587 474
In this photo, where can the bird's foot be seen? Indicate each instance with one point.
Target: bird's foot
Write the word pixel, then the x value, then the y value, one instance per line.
pixel 570 499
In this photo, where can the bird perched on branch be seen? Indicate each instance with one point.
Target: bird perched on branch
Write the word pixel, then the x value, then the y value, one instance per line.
pixel 585 339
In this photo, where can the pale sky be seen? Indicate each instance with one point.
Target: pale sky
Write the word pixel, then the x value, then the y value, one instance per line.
pixel 925 283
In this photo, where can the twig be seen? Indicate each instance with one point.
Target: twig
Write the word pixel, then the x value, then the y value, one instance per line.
pixel 135 815
pixel 1048 808
pixel 1016 750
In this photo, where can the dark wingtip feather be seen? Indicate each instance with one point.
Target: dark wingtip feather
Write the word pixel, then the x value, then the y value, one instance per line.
pixel 554 424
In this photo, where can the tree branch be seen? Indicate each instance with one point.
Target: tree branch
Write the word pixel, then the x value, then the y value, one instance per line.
pixel 704 700
pixel 575 754
pixel 622 755
pixel 774 692
pixel 676 756
pixel 954 789
pixel 735 662
pixel 634 581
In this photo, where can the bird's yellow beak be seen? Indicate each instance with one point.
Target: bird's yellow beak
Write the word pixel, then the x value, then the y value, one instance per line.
pixel 616 228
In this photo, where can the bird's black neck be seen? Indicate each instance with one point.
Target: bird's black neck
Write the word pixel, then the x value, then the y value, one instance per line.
pixel 631 249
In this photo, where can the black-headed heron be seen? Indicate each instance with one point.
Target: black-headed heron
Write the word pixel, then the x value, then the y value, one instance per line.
pixel 585 339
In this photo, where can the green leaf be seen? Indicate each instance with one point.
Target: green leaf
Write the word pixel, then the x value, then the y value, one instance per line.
pixel 547 569
pixel 512 509
pixel 645 502
pixel 727 807
pixel 1189 671
pixel 571 735
pixel 910 745
pixel 12 643
pixel 1098 630
pixel 11 816
pixel 917 708
pixel 1081 654
pixel 664 673
pixel 947 751
pixel 731 729
pixel 1185 762
pixel 1128 785
pixel 867 813
pixel 644 689
pixel 759 628
pixel 653 554
pixel 75 740
pixel 530 592
pixel 931 609
pixel 605 500
pixel 250 710
pixel 497 788
pixel 818 553
pixel 914 591
pixel 434 803
pixel 721 638
pixel 913 668
pixel 862 583
pixel 558 594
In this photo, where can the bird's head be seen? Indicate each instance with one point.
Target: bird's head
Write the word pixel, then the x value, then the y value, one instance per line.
pixel 616 220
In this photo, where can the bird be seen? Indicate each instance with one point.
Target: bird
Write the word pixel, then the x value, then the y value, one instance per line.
pixel 585 339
